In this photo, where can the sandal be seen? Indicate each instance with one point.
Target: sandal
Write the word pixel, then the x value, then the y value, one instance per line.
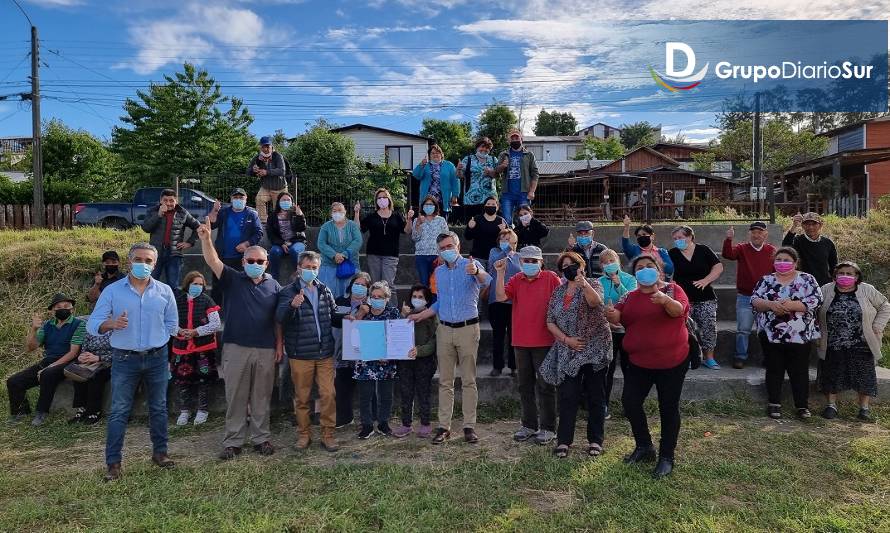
pixel 561 451
pixel 594 449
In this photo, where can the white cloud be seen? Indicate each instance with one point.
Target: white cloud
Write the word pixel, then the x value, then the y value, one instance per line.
pixel 56 3
pixel 465 53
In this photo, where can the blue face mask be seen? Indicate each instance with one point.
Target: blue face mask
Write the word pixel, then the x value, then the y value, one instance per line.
pixel 359 291
pixel 449 256
pixel 308 275
pixel 611 268
pixel 195 290
pixel 286 204
pixel 238 204
pixel 429 209
pixel 584 240
pixel 377 303
pixel 505 246
pixel 680 244
pixel 254 271
pixel 418 303
pixel 531 269
pixel 647 276
pixel 140 270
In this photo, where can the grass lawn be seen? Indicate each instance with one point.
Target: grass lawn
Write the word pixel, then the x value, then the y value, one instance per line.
pixel 736 471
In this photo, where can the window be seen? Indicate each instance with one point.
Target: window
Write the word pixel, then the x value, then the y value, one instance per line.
pixel 400 156
pixel 572 150
pixel 536 149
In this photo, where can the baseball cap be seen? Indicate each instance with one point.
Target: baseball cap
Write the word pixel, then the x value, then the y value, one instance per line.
pixel 238 191
pixel 111 254
pixel 265 139
pixel 812 217
pixel 584 225
pixel 531 252
pixel 757 225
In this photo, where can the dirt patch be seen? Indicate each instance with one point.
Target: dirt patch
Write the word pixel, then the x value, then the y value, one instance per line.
pixel 548 501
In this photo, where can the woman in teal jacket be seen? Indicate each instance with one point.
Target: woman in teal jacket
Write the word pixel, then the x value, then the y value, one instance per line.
pixel 438 178
pixel 339 239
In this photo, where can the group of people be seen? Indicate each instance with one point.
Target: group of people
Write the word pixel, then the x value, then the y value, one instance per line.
pixel 564 331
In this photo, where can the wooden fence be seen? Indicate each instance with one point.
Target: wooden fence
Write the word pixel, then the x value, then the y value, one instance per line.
pixel 20 217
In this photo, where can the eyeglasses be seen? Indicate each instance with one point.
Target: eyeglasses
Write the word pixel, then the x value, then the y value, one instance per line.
pixel 256 261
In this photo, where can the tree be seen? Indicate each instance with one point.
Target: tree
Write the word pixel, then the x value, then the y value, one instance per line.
pixel 782 146
pixel 279 140
pixel 495 122
pixel 185 126
pixel 638 134
pixel 78 158
pixel 555 123
pixel 595 148
pixel 454 137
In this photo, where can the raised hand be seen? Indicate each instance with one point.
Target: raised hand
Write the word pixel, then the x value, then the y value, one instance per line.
pixel 472 223
pixel 297 210
pixel 357 207
pixel 410 213
pixel 612 314
pixel 36 321
pixel 796 220
pixel 120 322
pixel 500 265
pixel 626 221
pixel 730 233
pixel 424 161
pixel 97 279
pixel 406 309
pixel 204 230
pixel 571 240
pixel 216 206
pixel 502 226
pixel 162 208
pixel 297 300
pixel 472 269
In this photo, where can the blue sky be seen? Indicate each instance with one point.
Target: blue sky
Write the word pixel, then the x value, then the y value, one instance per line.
pixel 386 63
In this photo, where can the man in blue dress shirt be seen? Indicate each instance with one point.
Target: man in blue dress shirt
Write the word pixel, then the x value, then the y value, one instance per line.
pixel 141 314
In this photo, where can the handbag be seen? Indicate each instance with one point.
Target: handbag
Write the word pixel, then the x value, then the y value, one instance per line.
pixel 81 372
pixel 695 352
pixel 346 269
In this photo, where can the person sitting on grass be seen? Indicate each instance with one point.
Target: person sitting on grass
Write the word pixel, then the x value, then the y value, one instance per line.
pixel 416 374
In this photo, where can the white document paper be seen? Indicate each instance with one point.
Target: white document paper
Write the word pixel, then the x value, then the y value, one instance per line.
pixel 399 338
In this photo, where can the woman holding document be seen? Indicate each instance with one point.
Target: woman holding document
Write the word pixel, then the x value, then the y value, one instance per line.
pixel 416 374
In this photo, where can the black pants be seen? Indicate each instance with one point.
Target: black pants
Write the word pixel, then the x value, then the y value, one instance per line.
pixel 88 394
pixel 369 392
pixel 195 395
pixel 619 358
pixel 537 397
pixel 415 382
pixel 669 384
pixel 590 387
pixel 18 385
pixel 500 316
pixel 216 292
pixel 344 387
pixel 794 359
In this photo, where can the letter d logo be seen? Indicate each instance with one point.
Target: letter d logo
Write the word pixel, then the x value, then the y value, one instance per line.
pixel 670 50
pixel 674 77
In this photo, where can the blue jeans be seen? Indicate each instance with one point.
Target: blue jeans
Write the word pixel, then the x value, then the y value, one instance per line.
pixel 424 265
pixel 127 370
pixel 168 265
pixel 744 316
pixel 327 274
pixel 510 201
pixel 277 252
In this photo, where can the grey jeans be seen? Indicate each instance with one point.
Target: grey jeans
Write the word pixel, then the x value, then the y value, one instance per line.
pixel 383 268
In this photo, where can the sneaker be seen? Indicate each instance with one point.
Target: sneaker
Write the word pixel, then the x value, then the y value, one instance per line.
pixel 830 412
pixel 524 434
pixel 544 437
pixel 384 429
pixel 366 432
pixel 738 364
pixel 402 432
pixel 424 431
pixel 183 419
pixel 39 419
pixel 495 372
pixel 774 411
pixel 341 426
pixel 441 436
pixel 201 417
pixel 15 419
pixel 711 364
pixel 78 417
pixel 804 413
pixel 91 419
pixel 608 414
pixel 865 415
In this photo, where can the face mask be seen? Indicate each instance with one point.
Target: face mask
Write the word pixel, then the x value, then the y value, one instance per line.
pixel 531 269
pixel 516 145
pixel 571 271
pixel 845 281
pixel 383 203
pixel 647 276
pixel 490 209
pixel 481 155
pixel 429 209
pixel 141 270
pixel 238 204
pixel 62 314
pixel 680 244
pixel 449 256
pixel 111 269
pixel 338 216
pixel 504 245
pixel 418 303
pixel 584 240
pixel 195 290
pixel 308 275
pixel 644 241
pixel 377 303
pixel 611 268
pixel 783 266
pixel 254 271
pixel 525 219
pixel 286 204
pixel 359 291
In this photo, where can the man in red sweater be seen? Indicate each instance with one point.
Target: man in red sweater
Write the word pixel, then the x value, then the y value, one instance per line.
pixel 755 259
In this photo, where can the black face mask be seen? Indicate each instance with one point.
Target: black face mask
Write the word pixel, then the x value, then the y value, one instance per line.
pixel 570 271
pixel 62 314
pixel 490 209
pixel 644 240
pixel 516 145
pixel 111 269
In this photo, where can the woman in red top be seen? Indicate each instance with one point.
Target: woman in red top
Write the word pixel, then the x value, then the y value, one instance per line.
pixel 657 344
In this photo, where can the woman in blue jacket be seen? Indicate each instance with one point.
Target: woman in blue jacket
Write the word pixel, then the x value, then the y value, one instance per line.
pixel 339 239
pixel 438 178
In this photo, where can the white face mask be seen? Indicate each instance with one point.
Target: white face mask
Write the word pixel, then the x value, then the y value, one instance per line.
pixel 337 216
pixel 383 202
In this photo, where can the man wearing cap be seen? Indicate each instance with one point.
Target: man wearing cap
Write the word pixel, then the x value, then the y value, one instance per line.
pixel 61 337
pixel 238 228
pixel 584 245
pixel 530 292
pixel 520 173
pixel 755 258
pixel 166 224
pixel 818 255
pixel 111 272
pixel 269 166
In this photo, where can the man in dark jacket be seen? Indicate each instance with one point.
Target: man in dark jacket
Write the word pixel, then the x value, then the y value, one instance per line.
pixel 586 247
pixel 269 166
pixel 166 223
pixel 305 312
pixel 238 228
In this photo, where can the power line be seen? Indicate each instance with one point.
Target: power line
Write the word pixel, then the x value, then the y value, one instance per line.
pixel 23 12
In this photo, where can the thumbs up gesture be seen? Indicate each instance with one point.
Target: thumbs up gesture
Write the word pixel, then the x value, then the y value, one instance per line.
pixel 357 207
pixel 796 220
pixel 571 240
pixel 120 322
pixel 730 233
pixel 36 321
pixel 410 213
pixel 472 269
pixel 472 223
pixel 626 221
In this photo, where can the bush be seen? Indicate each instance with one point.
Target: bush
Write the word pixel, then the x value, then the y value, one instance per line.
pixel 55 192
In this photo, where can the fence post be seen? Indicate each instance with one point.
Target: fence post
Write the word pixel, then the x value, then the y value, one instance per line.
pixel 648 204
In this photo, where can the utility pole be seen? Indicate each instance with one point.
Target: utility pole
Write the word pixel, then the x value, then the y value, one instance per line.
pixel 39 212
pixel 757 156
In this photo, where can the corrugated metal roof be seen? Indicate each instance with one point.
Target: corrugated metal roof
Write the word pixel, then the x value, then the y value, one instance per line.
pixel 552 139
pixel 558 168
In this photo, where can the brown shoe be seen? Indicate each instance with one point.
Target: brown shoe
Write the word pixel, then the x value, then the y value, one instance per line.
pixel 113 473
pixel 162 460
pixel 328 442
pixel 230 452
pixel 304 439
pixel 265 448
pixel 470 436
pixel 441 436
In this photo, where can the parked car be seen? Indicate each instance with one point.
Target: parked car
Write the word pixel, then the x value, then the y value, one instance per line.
pixel 123 215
